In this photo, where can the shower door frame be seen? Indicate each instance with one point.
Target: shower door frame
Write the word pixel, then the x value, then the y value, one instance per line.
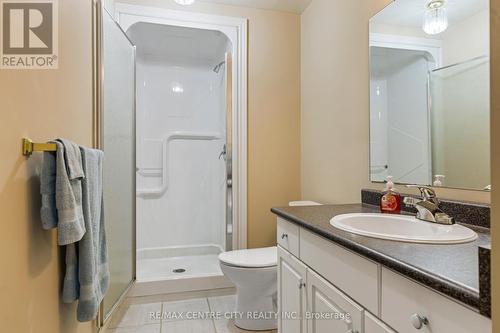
pixel 98 10
pixel 235 30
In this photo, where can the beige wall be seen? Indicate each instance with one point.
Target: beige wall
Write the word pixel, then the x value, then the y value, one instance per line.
pixel 335 104
pixel 273 111
pixel 463 40
pixel 495 165
pixel 335 99
pixel 467 39
pixel 41 105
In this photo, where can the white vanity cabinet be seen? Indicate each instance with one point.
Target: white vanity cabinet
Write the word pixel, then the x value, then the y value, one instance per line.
pixel 287 236
pixel 326 288
pixel 406 304
pixel 329 310
pixel 374 325
pixel 291 293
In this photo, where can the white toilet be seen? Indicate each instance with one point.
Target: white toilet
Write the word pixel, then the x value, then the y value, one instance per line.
pixel 254 272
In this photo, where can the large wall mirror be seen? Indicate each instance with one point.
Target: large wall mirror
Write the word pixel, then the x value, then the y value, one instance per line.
pixel 429 93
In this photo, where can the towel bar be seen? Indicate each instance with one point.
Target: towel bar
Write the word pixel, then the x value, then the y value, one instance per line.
pixel 29 147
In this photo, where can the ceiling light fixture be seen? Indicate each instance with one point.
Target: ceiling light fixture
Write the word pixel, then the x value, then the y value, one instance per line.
pixel 185 2
pixel 177 88
pixel 435 18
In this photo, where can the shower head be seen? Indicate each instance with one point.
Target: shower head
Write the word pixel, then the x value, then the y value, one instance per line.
pixel 218 67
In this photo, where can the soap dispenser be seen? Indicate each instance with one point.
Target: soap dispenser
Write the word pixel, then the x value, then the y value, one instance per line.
pixel 391 199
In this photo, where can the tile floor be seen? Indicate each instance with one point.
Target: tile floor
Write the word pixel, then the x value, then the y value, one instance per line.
pixel 137 317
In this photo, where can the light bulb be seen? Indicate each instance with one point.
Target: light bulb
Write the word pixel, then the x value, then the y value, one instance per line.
pixel 185 2
pixel 177 88
pixel 435 18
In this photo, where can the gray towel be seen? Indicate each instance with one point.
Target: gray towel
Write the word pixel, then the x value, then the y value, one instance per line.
pixel 73 159
pixel 71 188
pixel 69 175
pixel 48 211
pixel 61 189
pixel 93 273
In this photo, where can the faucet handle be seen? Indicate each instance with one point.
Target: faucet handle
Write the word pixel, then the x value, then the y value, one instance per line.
pixel 410 201
pixel 427 192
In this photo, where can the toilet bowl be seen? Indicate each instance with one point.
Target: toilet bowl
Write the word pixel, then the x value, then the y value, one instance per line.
pixel 254 272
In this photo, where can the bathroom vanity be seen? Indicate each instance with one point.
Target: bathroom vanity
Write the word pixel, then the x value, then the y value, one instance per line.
pixel 330 280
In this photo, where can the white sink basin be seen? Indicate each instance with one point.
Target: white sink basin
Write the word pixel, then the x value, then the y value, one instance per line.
pixel 402 228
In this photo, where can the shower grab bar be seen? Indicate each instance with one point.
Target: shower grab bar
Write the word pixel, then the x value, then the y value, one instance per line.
pixel 178 135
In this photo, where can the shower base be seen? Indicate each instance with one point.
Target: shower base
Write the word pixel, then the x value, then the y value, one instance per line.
pixel 178 269
pixel 178 262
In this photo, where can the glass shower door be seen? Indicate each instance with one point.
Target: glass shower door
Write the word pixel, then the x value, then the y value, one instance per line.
pixel 117 116
pixel 460 110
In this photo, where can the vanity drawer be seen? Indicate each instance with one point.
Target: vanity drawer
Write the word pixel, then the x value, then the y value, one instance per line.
pixel 403 299
pixel 351 273
pixel 288 236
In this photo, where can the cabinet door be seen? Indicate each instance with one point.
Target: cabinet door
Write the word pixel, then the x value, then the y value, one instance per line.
pixel 291 293
pixel 329 310
pixel 406 303
pixel 373 325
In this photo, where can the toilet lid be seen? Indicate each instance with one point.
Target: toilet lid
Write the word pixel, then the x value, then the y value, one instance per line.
pixel 252 258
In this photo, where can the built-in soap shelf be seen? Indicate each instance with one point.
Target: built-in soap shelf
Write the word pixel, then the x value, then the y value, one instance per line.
pixel 165 150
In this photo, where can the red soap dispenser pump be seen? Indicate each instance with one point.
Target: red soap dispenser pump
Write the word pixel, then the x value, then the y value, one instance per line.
pixel 391 199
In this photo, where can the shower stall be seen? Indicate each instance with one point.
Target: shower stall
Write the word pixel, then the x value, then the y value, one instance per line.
pixel 171 97
pixel 399 115
pixel 182 154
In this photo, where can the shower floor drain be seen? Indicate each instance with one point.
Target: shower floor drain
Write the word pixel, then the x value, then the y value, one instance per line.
pixel 179 270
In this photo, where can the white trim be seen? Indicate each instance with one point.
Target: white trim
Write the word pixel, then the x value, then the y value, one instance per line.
pixel 433 46
pixel 236 30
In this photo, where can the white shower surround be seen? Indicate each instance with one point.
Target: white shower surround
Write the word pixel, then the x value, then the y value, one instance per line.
pixel 164 170
pixel 236 31
pixel 179 138
pixel 378 125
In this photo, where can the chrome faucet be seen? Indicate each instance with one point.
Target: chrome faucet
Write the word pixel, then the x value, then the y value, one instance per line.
pixel 428 207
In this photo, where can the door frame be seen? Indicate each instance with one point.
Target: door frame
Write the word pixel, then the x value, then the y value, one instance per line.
pixel 236 30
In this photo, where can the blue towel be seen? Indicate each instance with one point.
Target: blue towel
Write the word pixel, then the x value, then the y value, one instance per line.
pixel 61 189
pixel 92 252
pixel 71 188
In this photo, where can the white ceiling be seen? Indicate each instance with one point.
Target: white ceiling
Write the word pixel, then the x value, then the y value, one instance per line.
pixel 410 12
pixel 182 46
pixel 294 6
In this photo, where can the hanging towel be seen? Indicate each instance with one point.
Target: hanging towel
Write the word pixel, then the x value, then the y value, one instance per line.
pixel 61 191
pixel 48 212
pixel 71 189
pixel 93 273
pixel 69 175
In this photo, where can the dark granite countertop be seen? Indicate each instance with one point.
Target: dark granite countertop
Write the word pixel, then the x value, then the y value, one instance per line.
pixel 452 270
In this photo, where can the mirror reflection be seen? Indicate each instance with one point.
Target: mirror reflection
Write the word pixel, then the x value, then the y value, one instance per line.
pixel 429 93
